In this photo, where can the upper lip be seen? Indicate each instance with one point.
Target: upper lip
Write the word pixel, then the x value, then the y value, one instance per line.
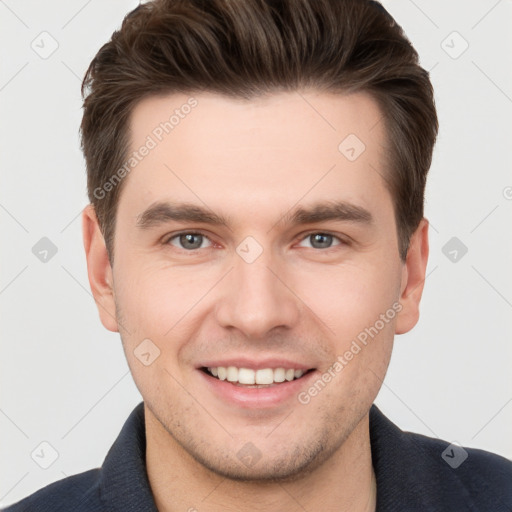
pixel 256 364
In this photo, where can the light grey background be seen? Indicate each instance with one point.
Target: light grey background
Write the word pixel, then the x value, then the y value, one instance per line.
pixel 64 378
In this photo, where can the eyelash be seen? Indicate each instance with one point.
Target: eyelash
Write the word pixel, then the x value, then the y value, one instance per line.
pixel 303 237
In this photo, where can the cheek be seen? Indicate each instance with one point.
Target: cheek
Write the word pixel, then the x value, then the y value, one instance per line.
pixel 153 299
pixel 165 305
pixel 360 306
pixel 152 306
pixel 350 298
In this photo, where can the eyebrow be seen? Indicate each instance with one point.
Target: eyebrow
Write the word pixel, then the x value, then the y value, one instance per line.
pixel 164 212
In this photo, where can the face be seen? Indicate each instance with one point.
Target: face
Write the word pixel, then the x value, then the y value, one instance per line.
pixel 248 237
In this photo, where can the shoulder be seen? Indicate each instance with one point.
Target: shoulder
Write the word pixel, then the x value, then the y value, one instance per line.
pixel 79 493
pixel 469 465
pixel 120 484
pixel 427 473
pixel 459 473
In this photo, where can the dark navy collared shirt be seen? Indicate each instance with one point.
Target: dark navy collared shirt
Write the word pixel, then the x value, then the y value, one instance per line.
pixel 414 473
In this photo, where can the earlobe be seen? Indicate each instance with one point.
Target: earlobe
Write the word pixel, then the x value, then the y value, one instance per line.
pixel 99 270
pixel 413 279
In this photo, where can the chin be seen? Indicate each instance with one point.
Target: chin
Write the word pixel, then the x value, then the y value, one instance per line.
pixel 249 464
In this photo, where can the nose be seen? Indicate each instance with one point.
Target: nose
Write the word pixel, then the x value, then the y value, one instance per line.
pixel 257 297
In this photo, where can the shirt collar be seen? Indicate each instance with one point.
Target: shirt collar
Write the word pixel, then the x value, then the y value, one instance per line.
pixel 124 484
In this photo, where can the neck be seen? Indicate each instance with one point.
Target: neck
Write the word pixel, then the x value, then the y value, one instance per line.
pixel 344 482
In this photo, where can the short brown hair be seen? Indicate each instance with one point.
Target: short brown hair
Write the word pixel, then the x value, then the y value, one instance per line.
pixel 246 48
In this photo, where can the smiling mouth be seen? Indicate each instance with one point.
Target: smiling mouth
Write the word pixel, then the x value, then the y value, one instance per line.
pixel 249 378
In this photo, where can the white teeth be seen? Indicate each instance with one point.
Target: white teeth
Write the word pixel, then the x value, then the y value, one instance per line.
pixel 246 376
pixel 279 374
pixel 250 377
pixel 232 374
pixel 265 376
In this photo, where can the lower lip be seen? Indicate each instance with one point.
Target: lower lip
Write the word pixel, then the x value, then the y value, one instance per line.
pixel 257 397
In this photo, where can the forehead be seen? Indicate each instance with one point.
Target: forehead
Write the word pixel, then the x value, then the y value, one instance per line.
pixel 271 150
pixel 234 121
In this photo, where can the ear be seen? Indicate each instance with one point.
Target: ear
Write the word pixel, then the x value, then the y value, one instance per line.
pixel 413 279
pixel 99 269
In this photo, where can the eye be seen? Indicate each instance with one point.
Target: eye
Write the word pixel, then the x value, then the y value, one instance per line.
pixel 188 241
pixel 321 240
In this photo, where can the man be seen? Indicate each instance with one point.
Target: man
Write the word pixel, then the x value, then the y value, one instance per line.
pixel 256 172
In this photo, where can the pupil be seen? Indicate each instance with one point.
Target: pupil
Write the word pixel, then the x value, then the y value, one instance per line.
pixel 322 239
pixel 188 240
